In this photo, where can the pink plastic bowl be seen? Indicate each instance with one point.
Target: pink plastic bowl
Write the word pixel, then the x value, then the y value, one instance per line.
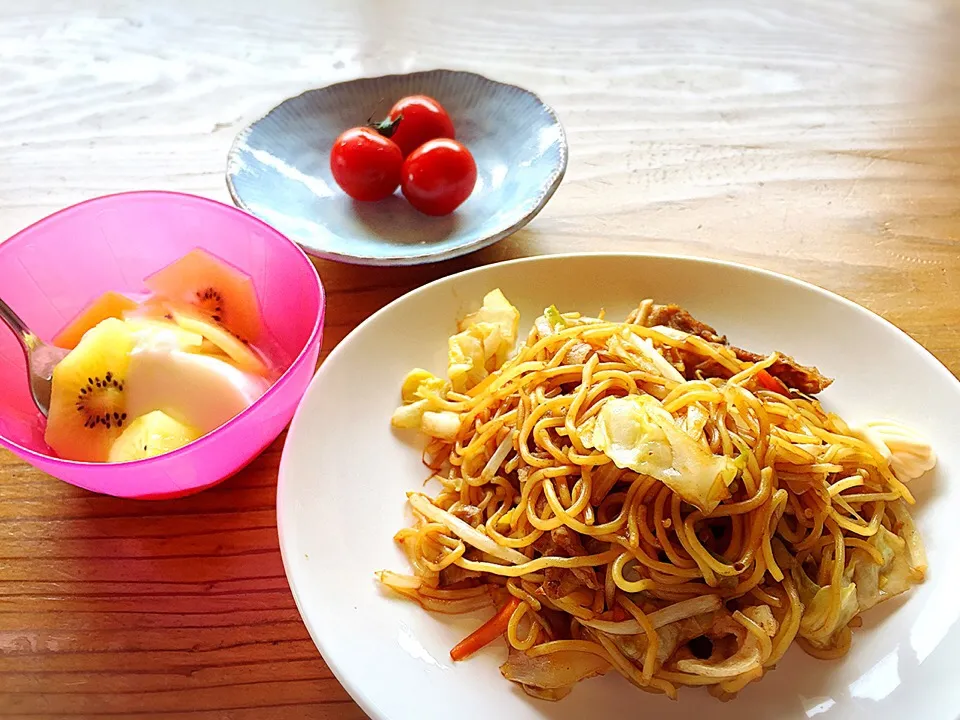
pixel 53 269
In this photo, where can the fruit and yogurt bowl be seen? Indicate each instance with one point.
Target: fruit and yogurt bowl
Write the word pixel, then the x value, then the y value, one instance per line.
pixel 193 330
pixel 147 376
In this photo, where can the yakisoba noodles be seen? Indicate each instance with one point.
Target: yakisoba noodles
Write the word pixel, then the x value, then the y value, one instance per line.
pixel 642 497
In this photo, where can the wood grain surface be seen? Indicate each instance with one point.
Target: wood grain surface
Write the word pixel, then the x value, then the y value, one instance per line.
pixel 820 139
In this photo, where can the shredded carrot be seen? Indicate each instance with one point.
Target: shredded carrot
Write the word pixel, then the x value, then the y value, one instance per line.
pixel 486 633
pixel 619 614
pixel 769 382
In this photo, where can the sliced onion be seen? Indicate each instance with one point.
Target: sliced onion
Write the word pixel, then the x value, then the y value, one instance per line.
pixel 454 607
pixel 670 614
pixel 398 582
pixel 409 587
pixel 604 478
pixel 685 609
pixel 554 670
pixel 745 659
pixel 456 594
pixel 627 627
pixel 421 503
pixel 645 347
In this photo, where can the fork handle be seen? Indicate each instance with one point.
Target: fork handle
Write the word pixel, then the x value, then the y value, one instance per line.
pixel 27 339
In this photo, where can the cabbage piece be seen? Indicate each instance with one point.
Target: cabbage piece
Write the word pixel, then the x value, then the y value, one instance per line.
pixel 424 394
pixel 816 606
pixel 904 562
pixel 636 432
pixel 908 531
pixel 409 417
pixel 410 389
pixel 483 343
pixel 554 318
pixel 466 357
pixel 813 626
pixel 496 310
pixel 816 601
pixel 551 322
pixel 444 425
pixel 876 583
pixel 694 421
pixel 431 388
pixel 422 384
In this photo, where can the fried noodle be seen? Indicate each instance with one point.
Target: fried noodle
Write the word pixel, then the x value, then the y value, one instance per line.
pixel 611 567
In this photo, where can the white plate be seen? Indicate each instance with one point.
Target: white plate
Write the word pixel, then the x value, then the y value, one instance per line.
pixel 344 473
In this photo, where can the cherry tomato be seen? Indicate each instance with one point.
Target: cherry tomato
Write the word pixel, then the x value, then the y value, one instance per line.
pixel 366 164
pixel 438 176
pixel 414 120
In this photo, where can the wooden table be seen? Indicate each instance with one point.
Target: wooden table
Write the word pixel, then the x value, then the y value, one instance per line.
pixel 819 139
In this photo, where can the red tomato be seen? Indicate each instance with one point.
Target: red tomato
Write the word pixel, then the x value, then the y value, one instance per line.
pixel 366 164
pixel 414 120
pixel 438 176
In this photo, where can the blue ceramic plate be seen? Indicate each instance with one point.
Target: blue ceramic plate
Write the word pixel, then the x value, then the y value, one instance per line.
pixel 279 169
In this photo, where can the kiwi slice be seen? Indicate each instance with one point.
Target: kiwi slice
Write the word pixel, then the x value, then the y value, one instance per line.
pixel 87 404
pixel 150 435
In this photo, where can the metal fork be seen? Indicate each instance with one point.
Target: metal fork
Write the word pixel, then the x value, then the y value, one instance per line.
pixel 41 357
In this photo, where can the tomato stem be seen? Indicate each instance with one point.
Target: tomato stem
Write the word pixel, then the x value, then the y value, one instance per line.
pixel 387 127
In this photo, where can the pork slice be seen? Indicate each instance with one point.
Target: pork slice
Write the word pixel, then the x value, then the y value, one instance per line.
pixel 676 317
pixel 805 379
